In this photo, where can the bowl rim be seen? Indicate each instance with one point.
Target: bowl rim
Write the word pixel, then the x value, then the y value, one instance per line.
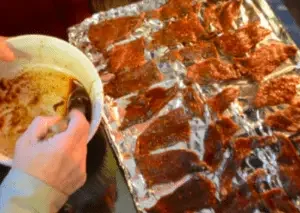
pixel 7 161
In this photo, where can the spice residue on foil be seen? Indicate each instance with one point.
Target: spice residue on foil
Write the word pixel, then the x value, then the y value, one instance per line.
pixel 198 93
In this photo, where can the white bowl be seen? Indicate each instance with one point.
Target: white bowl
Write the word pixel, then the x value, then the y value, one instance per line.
pixel 40 50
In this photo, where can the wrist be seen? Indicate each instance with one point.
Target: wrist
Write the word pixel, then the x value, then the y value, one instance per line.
pixel 22 184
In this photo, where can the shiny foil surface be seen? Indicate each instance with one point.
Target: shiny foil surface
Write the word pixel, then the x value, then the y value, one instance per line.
pixel 249 119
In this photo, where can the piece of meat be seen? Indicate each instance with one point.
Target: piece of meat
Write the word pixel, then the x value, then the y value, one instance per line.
pixel 277 91
pixel 137 79
pixel 147 104
pixel 110 31
pixel 220 17
pixel 286 120
pixel 242 148
pixel 265 60
pixel 193 54
pixel 210 71
pixel 193 102
pixel 127 56
pixel 185 30
pixel 195 194
pixel 167 130
pixel 169 166
pixel 245 198
pixel 229 12
pixel 240 42
pixel 278 201
pixel 174 9
pixel 289 166
pixel 218 137
pixel 222 100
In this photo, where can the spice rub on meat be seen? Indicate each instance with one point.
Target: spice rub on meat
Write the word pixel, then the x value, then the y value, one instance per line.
pixel 127 56
pixel 241 149
pixel 169 166
pixel 222 101
pixel 193 102
pixel 265 60
pixel 289 166
pixel 285 120
pixel 217 140
pixel 210 71
pixel 240 42
pixel 220 17
pixel 131 81
pixel 193 54
pixel 175 9
pixel 277 91
pixel 246 197
pixel 276 200
pixel 167 130
pixel 147 104
pixel 197 193
pixel 185 30
pixel 110 31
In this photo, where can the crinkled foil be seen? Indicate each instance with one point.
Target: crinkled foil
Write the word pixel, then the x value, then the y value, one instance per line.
pixel 250 120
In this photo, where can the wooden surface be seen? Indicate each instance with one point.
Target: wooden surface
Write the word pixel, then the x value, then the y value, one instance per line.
pixel 294 8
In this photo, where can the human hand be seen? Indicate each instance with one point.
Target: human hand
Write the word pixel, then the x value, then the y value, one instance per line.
pixel 5 53
pixel 59 161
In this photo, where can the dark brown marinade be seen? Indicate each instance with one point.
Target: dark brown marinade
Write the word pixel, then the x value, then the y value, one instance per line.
pixel 218 137
pixel 147 104
pixel 169 166
pixel 134 80
pixel 195 194
pixel 167 130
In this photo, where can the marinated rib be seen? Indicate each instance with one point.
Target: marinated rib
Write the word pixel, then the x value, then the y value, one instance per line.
pixel 277 91
pixel 222 101
pixel 127 56
pixel 243 40
pixel 147 104
pixel 185 30
pixel 218 136
pixel 193 54
pixel 242 148
pixel 289 166
pixel 193 102
pixel 221 16
pixel 286 120
pixel 165 131
pixel 245 198
pixel 210 71
pixel 278 201
pixel 169 166
pixel 195 194
pixel 265 60
pixel 131 81
pixel 174 9
pixel 110 31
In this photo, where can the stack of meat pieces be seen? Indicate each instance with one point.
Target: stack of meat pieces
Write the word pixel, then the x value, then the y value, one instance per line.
pixel 213 50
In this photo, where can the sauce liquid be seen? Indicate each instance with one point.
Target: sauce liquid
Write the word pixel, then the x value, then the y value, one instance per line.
pixel 27 96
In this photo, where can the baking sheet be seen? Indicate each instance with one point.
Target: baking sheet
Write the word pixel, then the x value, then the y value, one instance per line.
pixel 250 120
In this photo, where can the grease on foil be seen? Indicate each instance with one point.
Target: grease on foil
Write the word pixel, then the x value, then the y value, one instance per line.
pixel 251 120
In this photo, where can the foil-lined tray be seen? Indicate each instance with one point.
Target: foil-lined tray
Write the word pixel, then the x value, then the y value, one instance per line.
pixel 249 119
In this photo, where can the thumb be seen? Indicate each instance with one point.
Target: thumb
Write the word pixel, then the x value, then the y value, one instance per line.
pixel 40 126
pixel 6 54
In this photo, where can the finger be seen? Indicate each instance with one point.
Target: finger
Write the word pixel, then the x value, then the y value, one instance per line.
pixel 40 126
pixel 6 54
pixel 78 127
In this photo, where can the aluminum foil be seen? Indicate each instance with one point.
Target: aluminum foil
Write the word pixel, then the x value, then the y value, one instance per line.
pixel 250 120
